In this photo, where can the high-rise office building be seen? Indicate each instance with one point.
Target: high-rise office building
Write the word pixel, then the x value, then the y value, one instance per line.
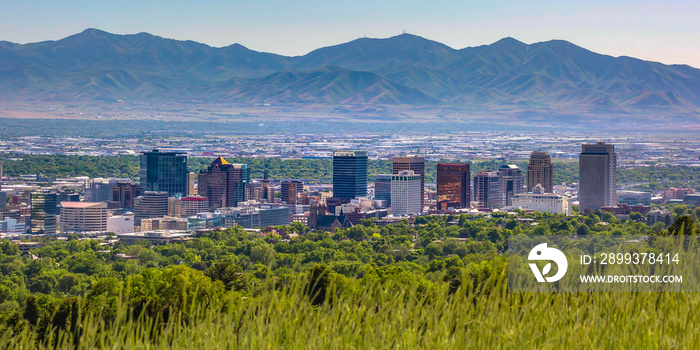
pixel 540 171
pixel 99 190
pixel 382 188
pixel 268 191
pixel 597 176
pixel 175 207
pixel 223 183
pixel 164 171
pixel 65 196
pixel 512 182
pixel 405 193
pixel 191 191
pixel 349 174
pixel 43 212
pixel 83 217
pixel 453 186
pixel 193 205
pixel 151 204
pixel 290 191
pixel 488 190
pixel 124 192
pixel 260 191
pixel 417 164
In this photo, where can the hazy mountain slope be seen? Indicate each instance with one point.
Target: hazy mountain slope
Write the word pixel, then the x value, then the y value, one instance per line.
pixel 327 85
pixel 405 69
pixel 377 55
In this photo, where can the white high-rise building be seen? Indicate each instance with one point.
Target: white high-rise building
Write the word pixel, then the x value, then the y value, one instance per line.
pixel 406 193
pixel 83 217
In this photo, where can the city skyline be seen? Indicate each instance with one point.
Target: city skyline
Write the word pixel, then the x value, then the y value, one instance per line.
pixel 362 175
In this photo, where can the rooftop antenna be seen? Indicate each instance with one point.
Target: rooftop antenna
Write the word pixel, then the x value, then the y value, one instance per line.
pixel 404 31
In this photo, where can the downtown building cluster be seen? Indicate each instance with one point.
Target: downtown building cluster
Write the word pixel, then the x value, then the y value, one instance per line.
pixel 169 202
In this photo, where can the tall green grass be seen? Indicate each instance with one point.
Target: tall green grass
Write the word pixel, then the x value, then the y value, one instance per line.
pixel 480 314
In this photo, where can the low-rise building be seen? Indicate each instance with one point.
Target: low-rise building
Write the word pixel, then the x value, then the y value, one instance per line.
pixel 634 197
pixel 155 237
pixel 543 202
pixel 12 226
pixel 164 223
pixel 624 209
pixel 657 215
pixel 301 218
pixel 253 215
pixel 357 215
pixel 693 199
pixel 119 224
pixel 205 221
pixel 25 247
pixel 677 193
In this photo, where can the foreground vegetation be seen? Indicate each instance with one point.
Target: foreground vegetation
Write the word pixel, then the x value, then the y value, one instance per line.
pixel 386 315
pixel 400 286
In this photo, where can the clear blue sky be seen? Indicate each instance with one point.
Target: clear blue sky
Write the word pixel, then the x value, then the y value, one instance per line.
pixel 664 31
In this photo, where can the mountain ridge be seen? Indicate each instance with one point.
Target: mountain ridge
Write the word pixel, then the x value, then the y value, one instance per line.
pixel 400 70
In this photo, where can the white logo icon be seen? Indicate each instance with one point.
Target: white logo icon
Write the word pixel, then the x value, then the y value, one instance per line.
pixel 541 252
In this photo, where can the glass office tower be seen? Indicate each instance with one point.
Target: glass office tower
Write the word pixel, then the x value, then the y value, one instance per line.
pixel 349 174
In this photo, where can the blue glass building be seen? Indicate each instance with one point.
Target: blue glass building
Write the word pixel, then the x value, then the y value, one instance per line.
pixel 349 174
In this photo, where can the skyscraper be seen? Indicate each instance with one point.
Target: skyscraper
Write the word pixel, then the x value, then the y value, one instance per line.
pixel 83 217
pixel 488 190
pixel 43 212
pixel 100 190
pixel 164 171
pixel 193 205
pixel 191 191
pixel 511 182
pixel 268 191
pixel 124 192
pixel 405 193
pixel 151 204
pixel 453 186
pixel 223 183
pixel 417 164
pixel 597 176
pixel 290 190
pixel 540 171
pixel 349 174
pixel 382 188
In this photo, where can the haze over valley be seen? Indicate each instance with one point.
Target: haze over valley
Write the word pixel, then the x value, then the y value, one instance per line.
pixel 405 78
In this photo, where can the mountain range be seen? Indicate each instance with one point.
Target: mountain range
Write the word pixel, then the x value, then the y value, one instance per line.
pixel 403 70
